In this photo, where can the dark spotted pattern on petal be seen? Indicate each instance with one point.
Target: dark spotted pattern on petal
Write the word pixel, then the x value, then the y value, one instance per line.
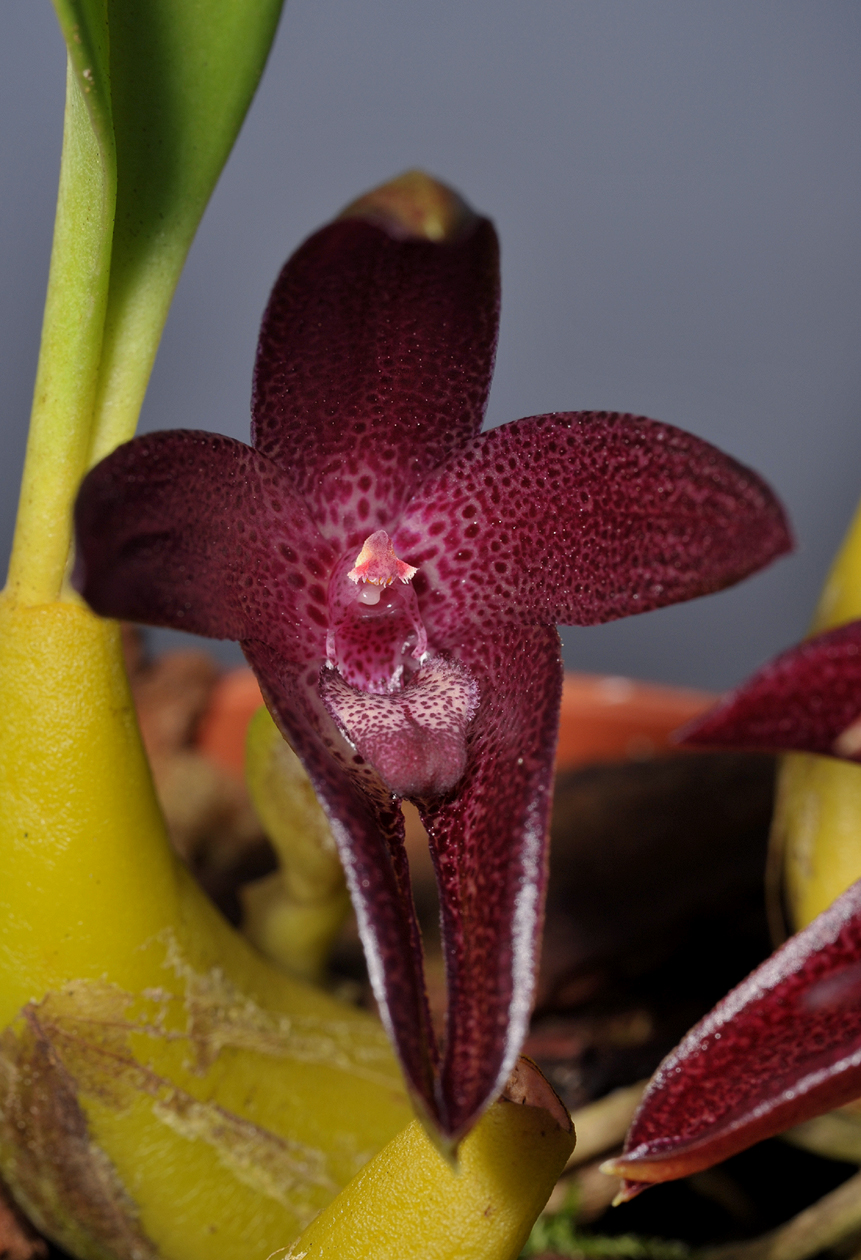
pixel 201 533
pixel 415 738
pixel 580 518
pixel 782 1047
pixel 803 700
pixel 488 841
pixel 373 364
pixel 369 829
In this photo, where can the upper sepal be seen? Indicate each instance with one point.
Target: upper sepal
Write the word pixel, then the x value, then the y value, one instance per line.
pixel 782 1047
pixel 808 699
pixel 376 352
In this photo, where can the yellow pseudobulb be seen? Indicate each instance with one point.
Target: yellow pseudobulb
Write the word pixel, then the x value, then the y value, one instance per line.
pixel 293 915
pixel 817 822
pixel 409 1204
pixel 164 1092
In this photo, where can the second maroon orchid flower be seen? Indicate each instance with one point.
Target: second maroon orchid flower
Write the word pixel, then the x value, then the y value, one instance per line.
pixel 395 578
pixel 785 1045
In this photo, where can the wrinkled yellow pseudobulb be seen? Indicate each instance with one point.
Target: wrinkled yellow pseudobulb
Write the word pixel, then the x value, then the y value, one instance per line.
pixel 294 914
pixel 164 1092
pixel 409 1204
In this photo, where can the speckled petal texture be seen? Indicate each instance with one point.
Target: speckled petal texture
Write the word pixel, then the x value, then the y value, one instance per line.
pixel 582 517
pixel 781 1048
pixel 488 841
pixel 374 363
pixel 369 828
pixel 201 533
pixel 803 700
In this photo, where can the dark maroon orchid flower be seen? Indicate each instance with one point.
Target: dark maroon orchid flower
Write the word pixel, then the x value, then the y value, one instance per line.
pixel 395 579
pixel 806 700
pixel 785 1045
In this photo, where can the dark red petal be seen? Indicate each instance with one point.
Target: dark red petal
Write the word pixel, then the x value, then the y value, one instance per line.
pixel 368 826
pixel 374 363
pixel 202 533
pixel 804 699
pixel 488 840
pixel 782 1047
pixel 580 518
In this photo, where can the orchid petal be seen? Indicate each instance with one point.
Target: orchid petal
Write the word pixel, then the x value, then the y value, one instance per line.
pixel 374 364
pixel 200 532
pixel 807 699
pixel 488 842
pixel 368 826
pixel 782 1047
pixel 582 517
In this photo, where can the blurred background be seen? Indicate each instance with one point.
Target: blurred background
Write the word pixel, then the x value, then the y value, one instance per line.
pixel 677 189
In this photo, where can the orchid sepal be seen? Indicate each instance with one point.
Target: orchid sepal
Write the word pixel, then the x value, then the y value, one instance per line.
pixel 782 1047
pixel 808 699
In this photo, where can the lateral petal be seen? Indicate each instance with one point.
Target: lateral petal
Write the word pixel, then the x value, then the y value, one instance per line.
pixel 808 699
pixel 199 532
pixel 580 518
pixel 374 362
pixel 488 842
pixel 782 1047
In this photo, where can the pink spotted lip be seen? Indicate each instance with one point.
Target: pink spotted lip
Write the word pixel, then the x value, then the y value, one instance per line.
pixel 395 575
pixel 415 738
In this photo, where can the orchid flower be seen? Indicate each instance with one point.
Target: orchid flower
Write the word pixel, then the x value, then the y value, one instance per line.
pixel 785 1045
pixel 395 577
pixel 808 699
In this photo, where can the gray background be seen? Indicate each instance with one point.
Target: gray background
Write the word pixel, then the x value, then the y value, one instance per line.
pixel 676 186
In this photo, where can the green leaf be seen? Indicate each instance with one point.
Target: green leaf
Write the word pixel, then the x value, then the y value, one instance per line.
pixel 183 73
pixel 156 94
pixel 84 24
pixel 70 353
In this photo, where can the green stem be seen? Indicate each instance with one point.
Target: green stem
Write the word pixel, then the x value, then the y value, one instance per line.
pixel 69 358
